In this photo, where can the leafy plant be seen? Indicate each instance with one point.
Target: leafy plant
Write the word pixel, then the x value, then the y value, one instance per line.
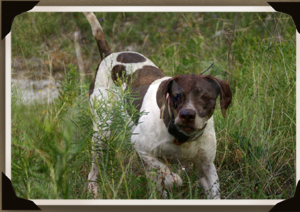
pixel 114 116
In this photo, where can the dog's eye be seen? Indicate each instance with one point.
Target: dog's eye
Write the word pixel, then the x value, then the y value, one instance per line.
pixel 177 98
pixel 198 90
pixel 205 98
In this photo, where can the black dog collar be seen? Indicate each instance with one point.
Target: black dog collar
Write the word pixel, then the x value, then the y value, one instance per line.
pixel 179 136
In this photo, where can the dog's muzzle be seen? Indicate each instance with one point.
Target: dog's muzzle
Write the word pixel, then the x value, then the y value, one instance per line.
pixel 180 136
pixel 194 133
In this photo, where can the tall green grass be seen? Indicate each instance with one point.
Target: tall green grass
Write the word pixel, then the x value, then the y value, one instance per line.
pixel 254 52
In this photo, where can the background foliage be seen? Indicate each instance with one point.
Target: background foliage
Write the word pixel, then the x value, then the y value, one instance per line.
pixel 254 52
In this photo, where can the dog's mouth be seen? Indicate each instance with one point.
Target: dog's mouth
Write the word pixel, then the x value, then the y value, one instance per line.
pixel 187 128
pixel 189 131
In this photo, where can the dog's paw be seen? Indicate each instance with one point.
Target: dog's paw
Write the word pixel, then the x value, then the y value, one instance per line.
pixel 172 179
pixel 164 194
pixel 93 189
pixel 213 193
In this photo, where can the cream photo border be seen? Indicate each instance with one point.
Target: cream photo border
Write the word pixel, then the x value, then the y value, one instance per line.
pixel 138 9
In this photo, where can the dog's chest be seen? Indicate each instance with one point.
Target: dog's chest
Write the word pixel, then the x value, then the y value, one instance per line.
pixel 202 149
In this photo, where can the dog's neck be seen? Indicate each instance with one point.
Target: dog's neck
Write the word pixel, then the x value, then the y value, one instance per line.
pixel 179 137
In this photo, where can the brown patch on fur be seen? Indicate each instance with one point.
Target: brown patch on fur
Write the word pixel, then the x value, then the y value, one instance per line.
pixel 129 57
pixel 145 76
pixel 141 80
pixel 116 72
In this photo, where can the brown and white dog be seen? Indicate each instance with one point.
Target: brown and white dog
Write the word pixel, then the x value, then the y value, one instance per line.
pixel 179 126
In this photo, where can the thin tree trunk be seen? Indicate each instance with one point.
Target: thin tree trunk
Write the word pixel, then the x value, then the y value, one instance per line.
pixel 79 54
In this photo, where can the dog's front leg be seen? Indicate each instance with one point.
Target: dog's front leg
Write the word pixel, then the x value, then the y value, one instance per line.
pixel 97 146
pixel 209 180
pixel 161 174
pixel 100 133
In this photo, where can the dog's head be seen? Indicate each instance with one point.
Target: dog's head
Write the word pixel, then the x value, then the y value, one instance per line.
pixel 188 101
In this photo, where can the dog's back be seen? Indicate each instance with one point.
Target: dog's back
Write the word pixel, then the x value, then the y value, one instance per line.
pixel 133 66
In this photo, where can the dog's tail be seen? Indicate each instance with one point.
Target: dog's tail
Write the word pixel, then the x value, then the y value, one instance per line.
pixel 98 34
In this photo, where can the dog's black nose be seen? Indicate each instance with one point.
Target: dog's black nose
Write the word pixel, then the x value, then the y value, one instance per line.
pixel 187 115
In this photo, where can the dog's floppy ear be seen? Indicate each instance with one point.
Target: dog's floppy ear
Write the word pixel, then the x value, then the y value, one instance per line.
pixel 163 93
pixel 224 90
pixel 163 96
pixel 167 88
